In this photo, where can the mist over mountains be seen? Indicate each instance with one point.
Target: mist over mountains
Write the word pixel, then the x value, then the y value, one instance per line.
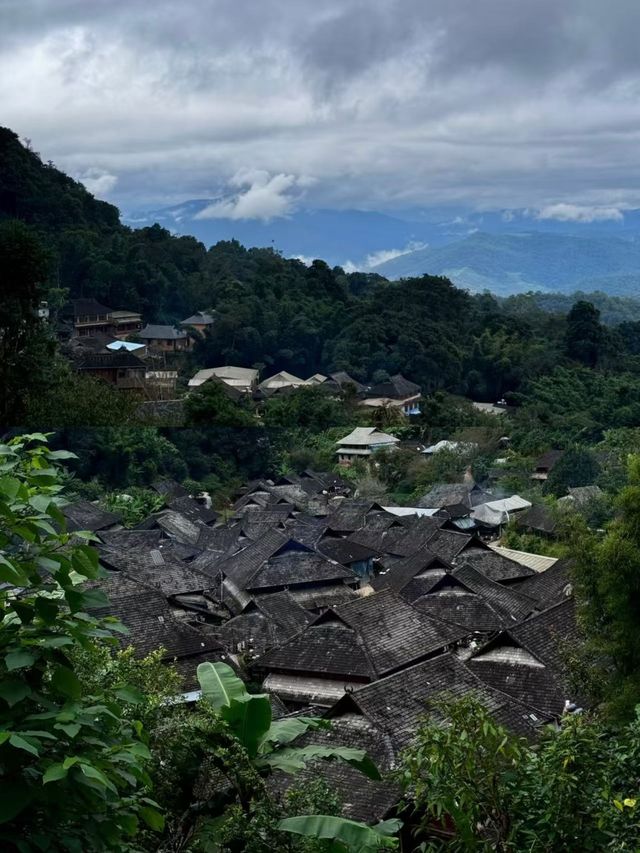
pixel 560 249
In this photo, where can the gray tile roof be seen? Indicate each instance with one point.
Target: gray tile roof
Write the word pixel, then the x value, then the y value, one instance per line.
pixel 84 515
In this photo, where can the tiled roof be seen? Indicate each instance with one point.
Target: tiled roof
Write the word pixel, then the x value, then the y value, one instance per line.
pixel 496 567
pixel 84 515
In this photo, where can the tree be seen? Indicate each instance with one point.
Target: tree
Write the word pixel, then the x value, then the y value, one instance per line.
pixel 210 405
pixel 72 764
pixel 248 745
pixel 584 336
pixel 607 582
pixel 473 786
pixel 25 343
pixel 576 467
pixel 307 407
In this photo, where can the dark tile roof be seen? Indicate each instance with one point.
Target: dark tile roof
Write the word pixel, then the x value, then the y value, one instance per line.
pixel 513 605
pixel 398 703
pixel 111 361
pixel 306 529
pixel 363 799
pixel 88 306
pixel 462 607
pixel 330 648
pixel 158 567
pixel 120 540
pixel 395 388
pixel 284 611
pixel 447 544
pixel 179 526
pixel 412 576
pixel 349 516
pixel 548 587
pixel 154 331
pixel 169 488
pixel 495 566
pixel 296 567
pixel 378 540
pixel 84 515
pixel 242 566
pixel 145 612
pixel 447 494
pixel 393 632
pixel 538 518
pixel 527 661
pixel 200 318
pixel 192 509
pixel 346 551
pixel 319 598
pixel 342 378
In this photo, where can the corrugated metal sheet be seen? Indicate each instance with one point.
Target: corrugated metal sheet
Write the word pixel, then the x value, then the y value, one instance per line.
pixel 537 562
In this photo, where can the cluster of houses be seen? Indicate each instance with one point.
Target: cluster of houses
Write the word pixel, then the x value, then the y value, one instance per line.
pixel 118 348
pixel 342 607
pixel 396 393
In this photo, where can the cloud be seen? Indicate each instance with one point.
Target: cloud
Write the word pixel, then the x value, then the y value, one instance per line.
pixel 261 196
pixel 389 104
pixel 579 213
pixel 376 258
pixel 98 181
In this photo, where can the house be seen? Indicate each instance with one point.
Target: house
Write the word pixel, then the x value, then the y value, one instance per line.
pixel 344 382
pixel 161 384
pixel 164 338
pixel 581 496
pixel 125 323
pixel 362 443
pixel 397 392
pixel 241 379
pixel 279 382
pixel 201 321
pixel 538 520
pixel 545 464
pixel 354 644
pixel 90 316
pixel 122 369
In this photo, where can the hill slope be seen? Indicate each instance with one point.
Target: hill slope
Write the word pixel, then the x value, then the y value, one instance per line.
pixel 515 263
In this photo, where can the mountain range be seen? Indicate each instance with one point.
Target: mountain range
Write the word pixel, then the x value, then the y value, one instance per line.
pixel 505 252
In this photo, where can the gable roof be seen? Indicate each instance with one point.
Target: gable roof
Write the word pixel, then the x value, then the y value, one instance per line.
pixel 495 566
pixel 367 437
pixel 447 494
pixel 200 318
pixel 397 388
pixel 297 567
pixel 84 515
pixel 548 587
pixel 88 306
pixel 342 378
pixel 538 518
pixel 396 704
pixel 346 551
pixel 412 576
pixel 156 331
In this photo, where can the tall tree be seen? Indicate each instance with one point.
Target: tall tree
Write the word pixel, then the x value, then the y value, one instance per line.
pixel 584 335
pixel 25 344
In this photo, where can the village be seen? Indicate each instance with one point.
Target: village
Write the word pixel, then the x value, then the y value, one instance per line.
pixel 342 607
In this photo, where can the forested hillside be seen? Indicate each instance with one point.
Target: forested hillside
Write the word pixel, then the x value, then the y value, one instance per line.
pixel 279 313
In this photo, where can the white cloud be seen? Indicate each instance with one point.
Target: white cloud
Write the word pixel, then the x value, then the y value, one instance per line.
pixel 580 213
pixel 376 258
pixel 261 196
pixel 98 181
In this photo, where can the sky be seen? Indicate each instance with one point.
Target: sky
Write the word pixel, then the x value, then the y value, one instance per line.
pixel 265 106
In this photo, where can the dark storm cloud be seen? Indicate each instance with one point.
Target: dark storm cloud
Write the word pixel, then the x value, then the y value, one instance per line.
pixel 371 103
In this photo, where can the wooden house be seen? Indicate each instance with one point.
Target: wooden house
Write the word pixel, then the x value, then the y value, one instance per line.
pixel 166 339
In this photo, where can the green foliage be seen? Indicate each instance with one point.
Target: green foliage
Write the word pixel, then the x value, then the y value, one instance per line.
pixel 26 345
pixel 607 584
pixel 308 408
pixel 345 834
pixel 583 338
pixel 472 786
pixel 73 400
pixel 134 505
pixel 72 763
pixel 577 467
pixel 210 405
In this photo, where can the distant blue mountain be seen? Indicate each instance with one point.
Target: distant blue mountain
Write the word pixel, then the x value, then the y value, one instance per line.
pixel 516 263
pixel 336 236
pixel 505 251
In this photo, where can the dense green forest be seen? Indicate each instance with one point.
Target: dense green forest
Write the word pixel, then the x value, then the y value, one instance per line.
pixel 282 315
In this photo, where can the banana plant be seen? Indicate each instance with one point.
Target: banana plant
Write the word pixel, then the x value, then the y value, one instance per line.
pixel 345 834
pixel 265 740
